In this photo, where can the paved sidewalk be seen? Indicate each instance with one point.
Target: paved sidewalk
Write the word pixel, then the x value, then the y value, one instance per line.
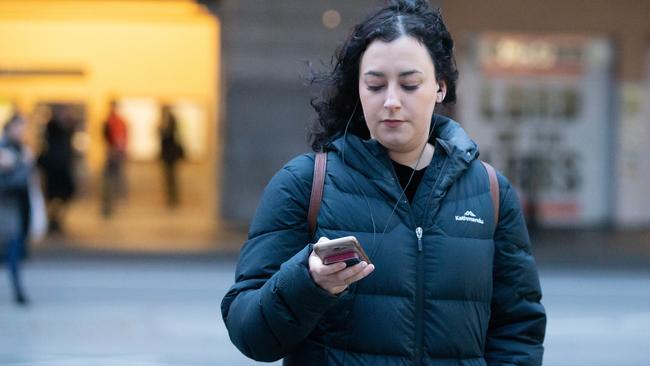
pixel 145 311
pixel 126 312
pixel 110 308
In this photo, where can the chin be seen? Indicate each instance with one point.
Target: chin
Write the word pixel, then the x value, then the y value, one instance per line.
pixel 392 143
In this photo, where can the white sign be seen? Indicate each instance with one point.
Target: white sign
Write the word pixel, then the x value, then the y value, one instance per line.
pixel 539 108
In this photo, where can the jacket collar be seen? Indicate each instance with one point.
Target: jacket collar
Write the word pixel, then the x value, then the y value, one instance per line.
pixel 371 158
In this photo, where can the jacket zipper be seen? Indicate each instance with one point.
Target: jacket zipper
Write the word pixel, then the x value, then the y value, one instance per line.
pixel 419 301
pixel 419 297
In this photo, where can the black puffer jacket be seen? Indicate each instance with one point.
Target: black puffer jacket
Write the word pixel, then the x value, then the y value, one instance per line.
pixel 459 293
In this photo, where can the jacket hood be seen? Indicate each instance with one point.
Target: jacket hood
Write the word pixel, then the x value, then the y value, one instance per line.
pixel 371 158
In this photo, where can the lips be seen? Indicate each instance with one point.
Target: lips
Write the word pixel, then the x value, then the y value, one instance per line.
pixel 392 122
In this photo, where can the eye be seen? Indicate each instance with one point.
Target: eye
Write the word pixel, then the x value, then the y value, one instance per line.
pixel 375 88
pixel 410 87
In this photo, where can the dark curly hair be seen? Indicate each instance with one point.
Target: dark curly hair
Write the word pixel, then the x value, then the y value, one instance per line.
pixel 340 102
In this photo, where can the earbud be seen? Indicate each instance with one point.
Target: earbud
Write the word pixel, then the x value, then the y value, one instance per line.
pixel 440 94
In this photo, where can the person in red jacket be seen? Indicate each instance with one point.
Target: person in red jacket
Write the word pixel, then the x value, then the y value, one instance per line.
pixel 116 137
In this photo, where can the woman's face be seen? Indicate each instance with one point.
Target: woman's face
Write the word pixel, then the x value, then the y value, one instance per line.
pixel 398 91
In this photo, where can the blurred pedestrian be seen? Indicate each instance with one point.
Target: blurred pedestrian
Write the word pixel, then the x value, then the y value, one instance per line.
pixel 57 163
pixel 171 152
pixel 16 166
pixel 114 183
pixel 452 279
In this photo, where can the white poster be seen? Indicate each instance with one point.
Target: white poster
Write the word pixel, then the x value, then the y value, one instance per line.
pixel 142 116
pixel 540 109
pixel 633 193
pixel 192 128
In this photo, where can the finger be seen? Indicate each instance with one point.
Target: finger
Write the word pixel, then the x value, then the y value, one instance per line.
pixel 316 265
pixel 322 239
pixel 351 271
pixel 330 269
pixel 315 262
pixel 361 275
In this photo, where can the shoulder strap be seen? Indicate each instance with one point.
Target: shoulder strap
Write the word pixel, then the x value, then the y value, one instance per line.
pixel 494 191
pixel 320 166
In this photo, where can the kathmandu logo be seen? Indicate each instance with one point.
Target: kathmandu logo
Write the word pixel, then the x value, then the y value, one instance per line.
pixel 471 217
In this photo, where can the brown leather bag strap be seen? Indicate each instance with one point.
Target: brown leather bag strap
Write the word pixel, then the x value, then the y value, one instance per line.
pixel 320 166
pixel 494 191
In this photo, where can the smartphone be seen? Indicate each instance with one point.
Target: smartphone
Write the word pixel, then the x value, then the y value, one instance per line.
pixel 346 249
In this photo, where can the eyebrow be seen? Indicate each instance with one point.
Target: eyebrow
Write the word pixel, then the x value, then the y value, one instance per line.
pixel 401 74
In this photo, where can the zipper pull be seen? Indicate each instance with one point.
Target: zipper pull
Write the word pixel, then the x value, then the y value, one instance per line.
pixel 418 234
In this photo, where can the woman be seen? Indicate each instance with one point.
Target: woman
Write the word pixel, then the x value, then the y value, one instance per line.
pixel 57 162
pixel 16 164
pixel 447 287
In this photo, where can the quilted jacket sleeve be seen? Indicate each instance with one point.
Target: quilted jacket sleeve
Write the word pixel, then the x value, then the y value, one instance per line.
pixel 518 321
pixel 274 303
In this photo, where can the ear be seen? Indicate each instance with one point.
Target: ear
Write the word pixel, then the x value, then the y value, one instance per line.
pixel 442 91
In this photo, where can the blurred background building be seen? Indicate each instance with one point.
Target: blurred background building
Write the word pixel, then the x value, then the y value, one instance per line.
pixel 81 55
pixel 556 93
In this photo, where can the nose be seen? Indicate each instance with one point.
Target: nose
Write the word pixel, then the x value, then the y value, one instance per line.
pixel 392 101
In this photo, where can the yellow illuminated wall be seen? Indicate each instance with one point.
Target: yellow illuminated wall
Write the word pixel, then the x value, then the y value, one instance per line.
pixel 167 50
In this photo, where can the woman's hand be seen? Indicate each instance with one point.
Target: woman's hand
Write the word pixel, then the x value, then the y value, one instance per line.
pixel 335 277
